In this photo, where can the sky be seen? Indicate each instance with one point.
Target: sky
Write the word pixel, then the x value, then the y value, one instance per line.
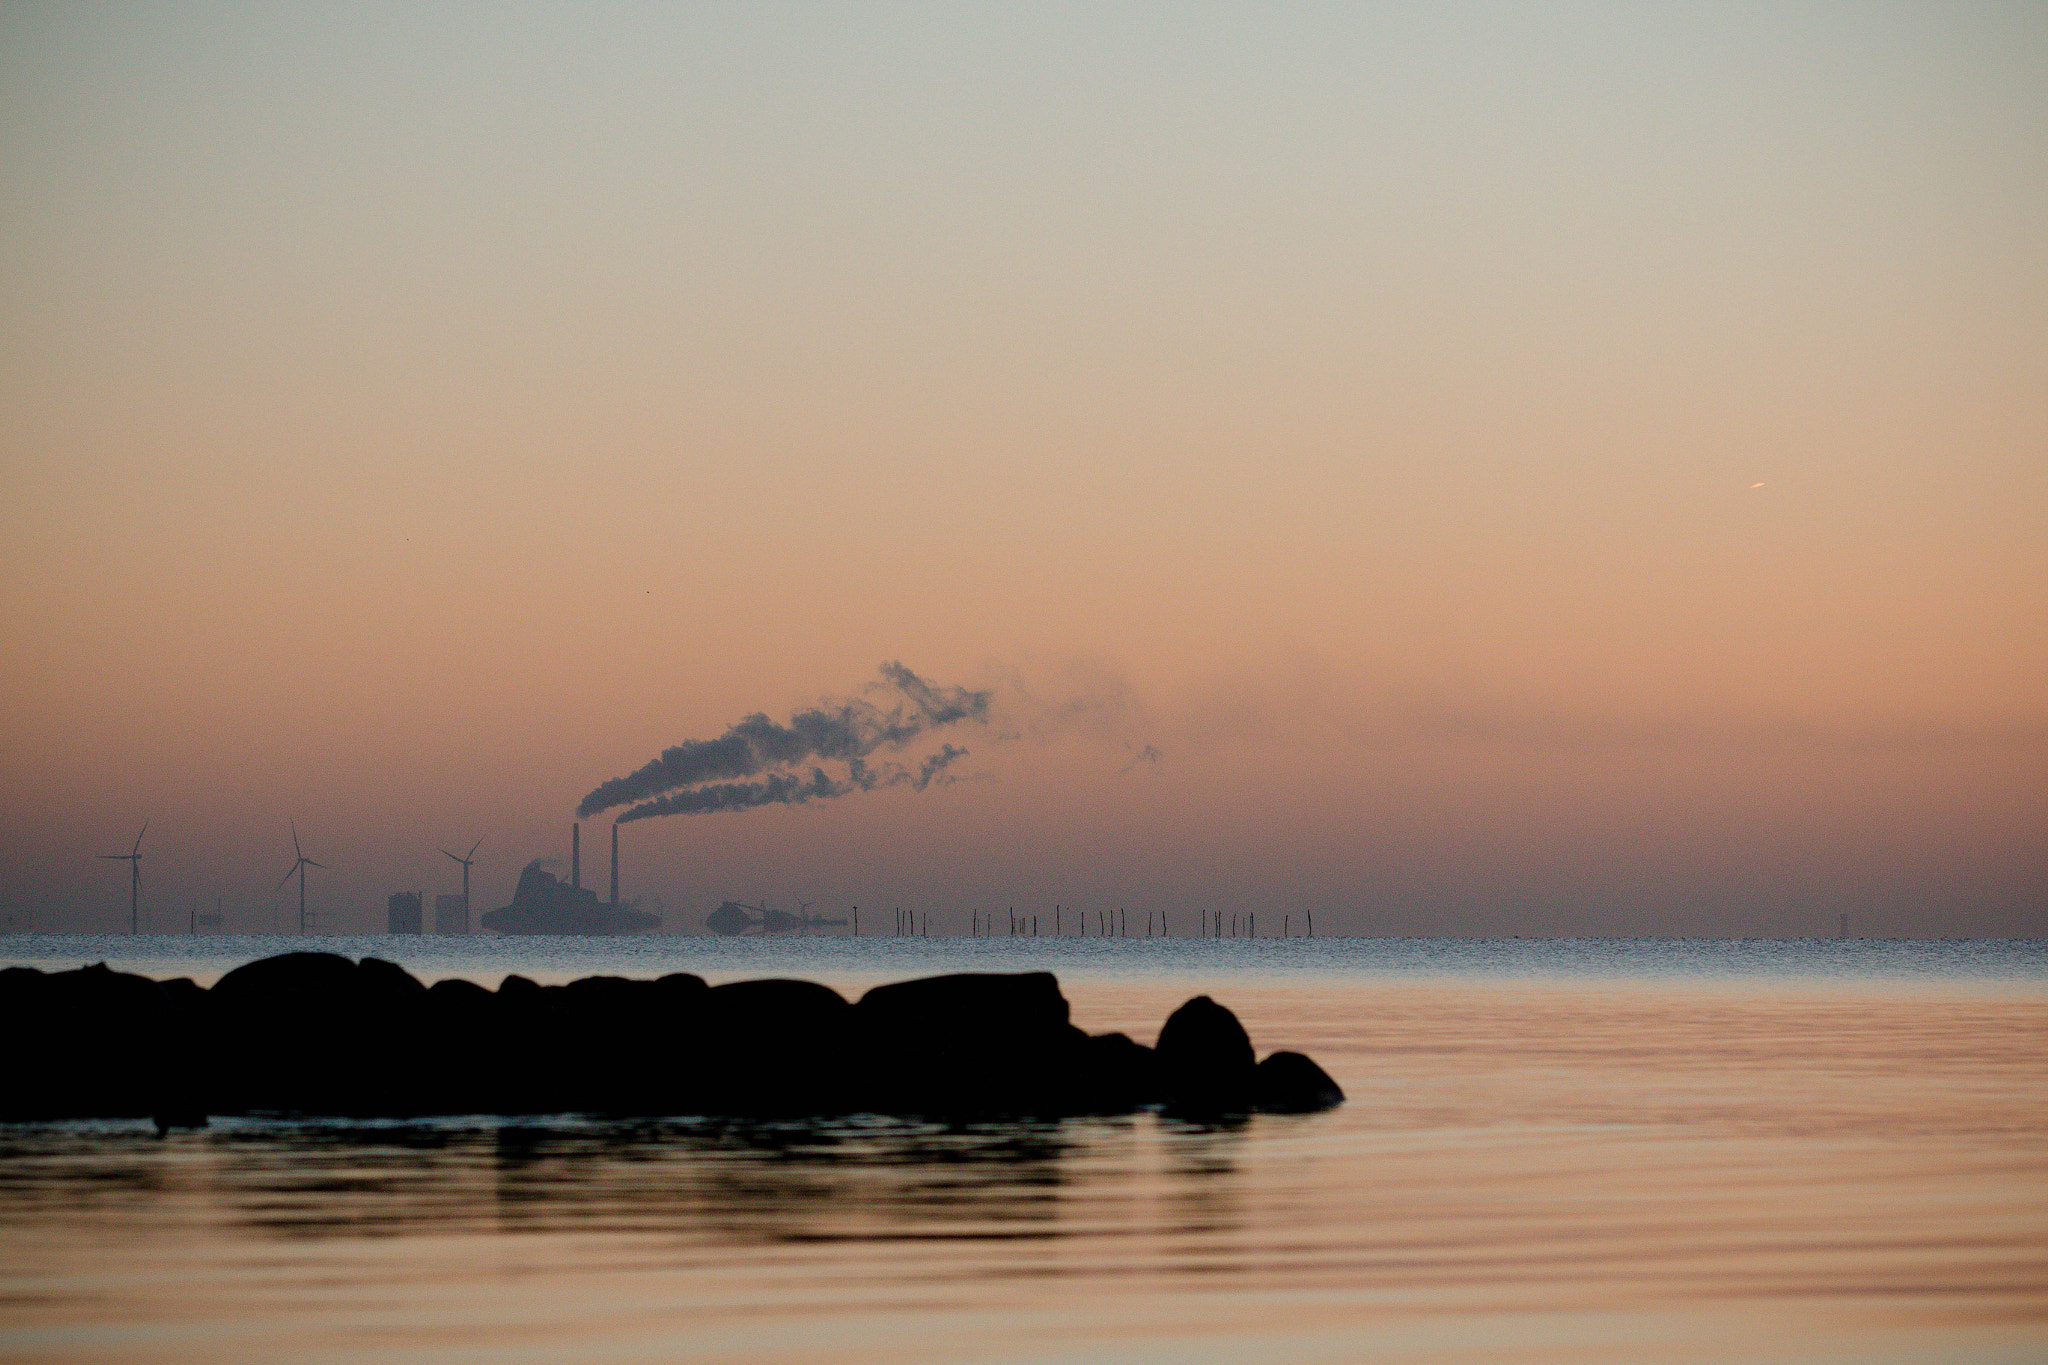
pixel 1467 469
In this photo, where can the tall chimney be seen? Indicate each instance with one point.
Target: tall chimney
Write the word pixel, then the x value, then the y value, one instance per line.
pixel 615 864
pixel 576 856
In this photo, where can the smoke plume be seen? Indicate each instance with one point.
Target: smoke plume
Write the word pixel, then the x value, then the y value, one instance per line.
pixel 746 766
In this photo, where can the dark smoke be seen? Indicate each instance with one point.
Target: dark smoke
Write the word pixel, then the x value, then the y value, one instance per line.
pixel 843 731
pixel 932 768
pixel 779 789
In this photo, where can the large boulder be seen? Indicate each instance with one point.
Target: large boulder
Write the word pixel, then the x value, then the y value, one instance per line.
pixel 529 1060
pixel 980 1003
pixel 630 1043
pixel 1289 1083
pixel 96 1043
pixel 459 1048
pixel 314 1033
pixel 601 1044
pixel 971 1044
pixel 1206 1060
pixel 771 1048
pixel 1119 1075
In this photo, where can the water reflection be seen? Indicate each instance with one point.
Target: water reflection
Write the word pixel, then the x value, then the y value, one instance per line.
pixel 859 1180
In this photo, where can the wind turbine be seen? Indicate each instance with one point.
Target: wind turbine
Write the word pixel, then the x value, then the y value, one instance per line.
pixel 133 857
pixel 298 870
pixel 466 859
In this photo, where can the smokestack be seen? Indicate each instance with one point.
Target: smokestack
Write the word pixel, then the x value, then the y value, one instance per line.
pixel 576 855
pixel 615 864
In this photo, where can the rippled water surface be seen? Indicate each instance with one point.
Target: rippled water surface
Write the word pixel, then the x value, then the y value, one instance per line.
pixel 1596 1152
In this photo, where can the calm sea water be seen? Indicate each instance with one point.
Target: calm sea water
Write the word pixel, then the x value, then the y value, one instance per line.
pixel 1613 1151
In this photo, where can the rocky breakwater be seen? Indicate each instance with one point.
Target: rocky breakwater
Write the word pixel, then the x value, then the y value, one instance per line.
pixel 317 1034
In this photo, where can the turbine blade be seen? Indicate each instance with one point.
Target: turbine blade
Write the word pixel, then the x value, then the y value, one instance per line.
pixel 475 846
pixel 138 838
pixel 446 854
pixel 287 879
pixel 310 863
pixel 295 840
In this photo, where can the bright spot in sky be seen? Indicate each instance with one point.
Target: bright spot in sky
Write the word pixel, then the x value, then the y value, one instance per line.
pixel 1756 485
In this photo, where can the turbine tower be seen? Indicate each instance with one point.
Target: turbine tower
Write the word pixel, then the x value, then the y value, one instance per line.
pixel 466 860
pixel 133 857
pixel 299 870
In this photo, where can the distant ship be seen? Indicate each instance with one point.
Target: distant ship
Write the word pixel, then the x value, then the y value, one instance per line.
pixel 545 905
pixel 737 917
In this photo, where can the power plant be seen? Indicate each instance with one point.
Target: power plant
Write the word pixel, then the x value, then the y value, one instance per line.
pixel 543 904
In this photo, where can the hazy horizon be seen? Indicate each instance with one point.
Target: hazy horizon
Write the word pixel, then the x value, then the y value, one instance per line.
pixel 1482 471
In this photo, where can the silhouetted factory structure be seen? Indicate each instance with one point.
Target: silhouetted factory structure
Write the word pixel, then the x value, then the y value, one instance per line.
pixel 545 905
pixel 404 911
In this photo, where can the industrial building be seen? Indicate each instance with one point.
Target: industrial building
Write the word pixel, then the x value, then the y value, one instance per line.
pixel 404 908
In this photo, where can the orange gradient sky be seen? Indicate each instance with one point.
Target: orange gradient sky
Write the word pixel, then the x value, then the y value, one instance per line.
pixel 413 419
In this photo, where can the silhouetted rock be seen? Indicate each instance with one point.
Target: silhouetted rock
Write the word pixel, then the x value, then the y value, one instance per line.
pixel 317 1034
pixel 377 978
pixel 1119 1075
pixel 978 1002
pixel 92 1043
pixel 269 982
pixel 628 1042
pixel 683 988
pixel 769 1048
pixel 314 1033
pixel 459 1000
pixel 1289 1083
pixel 459 1050
pixel 971 1044
pixel 183 993
pixel 1206 1060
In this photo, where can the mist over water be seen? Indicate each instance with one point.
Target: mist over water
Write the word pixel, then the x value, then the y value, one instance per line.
pixel 1611 1150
